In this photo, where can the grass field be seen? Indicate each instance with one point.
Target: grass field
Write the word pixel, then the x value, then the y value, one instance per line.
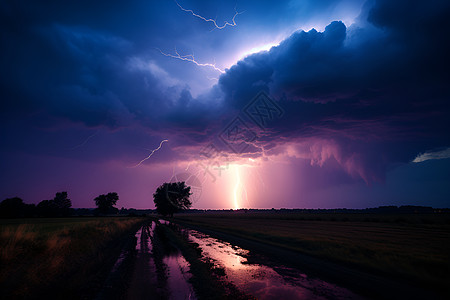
pixel 412 247
pixel 63 256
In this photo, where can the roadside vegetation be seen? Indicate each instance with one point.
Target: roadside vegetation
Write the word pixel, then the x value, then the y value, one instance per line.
pixel 412 247
pixel 61 257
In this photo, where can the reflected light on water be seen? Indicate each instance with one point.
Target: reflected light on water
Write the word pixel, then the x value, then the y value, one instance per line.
pixel 261 281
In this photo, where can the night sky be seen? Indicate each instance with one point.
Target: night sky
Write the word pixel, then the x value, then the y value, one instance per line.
pixel 295 104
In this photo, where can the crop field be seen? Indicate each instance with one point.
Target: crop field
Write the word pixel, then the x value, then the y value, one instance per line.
pixel 38 255
pixel 78 257
pixel 411 247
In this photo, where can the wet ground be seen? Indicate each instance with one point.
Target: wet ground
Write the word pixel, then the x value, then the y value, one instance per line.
pixel 263 281
pixel 158 270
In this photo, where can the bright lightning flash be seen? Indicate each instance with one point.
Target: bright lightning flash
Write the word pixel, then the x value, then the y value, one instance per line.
pixel 150 155
pixel 191 59
pixel 232 24
pixel 237 187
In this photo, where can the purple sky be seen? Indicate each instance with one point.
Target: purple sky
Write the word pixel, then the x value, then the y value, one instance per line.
pixel 295 104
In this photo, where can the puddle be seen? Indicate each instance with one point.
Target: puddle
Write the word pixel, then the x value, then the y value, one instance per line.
pixel 261 281
pixel 178 276
pixel 177 269
pixel 138 239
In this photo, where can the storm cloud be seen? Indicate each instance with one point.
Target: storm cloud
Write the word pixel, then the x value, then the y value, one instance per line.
pixel 368 96
pixel 362 94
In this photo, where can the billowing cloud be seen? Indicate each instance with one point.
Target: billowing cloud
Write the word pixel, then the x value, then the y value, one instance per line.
pixel 371 96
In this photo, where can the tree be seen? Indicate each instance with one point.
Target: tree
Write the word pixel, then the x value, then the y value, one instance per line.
pixel 14 208
pixel 172 197
pixel 46 208
pixel 62 204
pixel 106 202
pixel 59 206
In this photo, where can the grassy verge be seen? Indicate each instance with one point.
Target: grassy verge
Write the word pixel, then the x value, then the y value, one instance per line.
pixel 416 251
pixel 58 257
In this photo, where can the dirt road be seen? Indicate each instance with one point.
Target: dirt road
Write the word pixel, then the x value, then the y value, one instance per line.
pixel 159 266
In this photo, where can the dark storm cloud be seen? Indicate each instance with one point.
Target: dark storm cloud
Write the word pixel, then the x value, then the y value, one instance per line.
pixel 374 93
pixel 71 70
pixel 92 77
pixel 371 94
pixel 72 59
pixel 96 63
pixel 324 66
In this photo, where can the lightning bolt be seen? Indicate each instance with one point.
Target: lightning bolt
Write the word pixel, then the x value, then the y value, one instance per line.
pixel 85 141
pixel 237 187
pixel 190 58
pixel 150 155
pixel 232 24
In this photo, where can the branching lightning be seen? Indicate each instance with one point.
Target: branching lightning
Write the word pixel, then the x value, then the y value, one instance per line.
pixel 263 150
pixel 150 155
pixel 191 58
pixel 232 24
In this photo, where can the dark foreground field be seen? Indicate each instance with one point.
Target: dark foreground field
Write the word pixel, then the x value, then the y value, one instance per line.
pixel 405 250
pixel 59 257
pixel 228 255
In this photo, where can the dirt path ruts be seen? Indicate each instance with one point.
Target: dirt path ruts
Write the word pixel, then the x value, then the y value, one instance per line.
pixel 143 283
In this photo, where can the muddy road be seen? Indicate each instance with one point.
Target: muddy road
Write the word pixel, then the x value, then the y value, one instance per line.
pixel 167 261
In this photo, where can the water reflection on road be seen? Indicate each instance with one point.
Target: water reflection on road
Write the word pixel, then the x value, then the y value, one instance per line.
pixel 261 281
pixel 159 270
pixel 178 276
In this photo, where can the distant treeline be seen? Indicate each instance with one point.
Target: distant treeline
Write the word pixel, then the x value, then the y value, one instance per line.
pixel 61 206
pixel 122 212
pixel 405 209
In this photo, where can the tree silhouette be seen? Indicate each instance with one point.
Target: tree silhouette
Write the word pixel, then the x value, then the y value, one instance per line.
pixel 62 203
pixel 172 197
pixel 106 202
pixel 15 208
pixel 59 206
pixel 46 208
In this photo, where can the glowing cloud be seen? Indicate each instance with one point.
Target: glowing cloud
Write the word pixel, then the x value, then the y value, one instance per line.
pixel 260 48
